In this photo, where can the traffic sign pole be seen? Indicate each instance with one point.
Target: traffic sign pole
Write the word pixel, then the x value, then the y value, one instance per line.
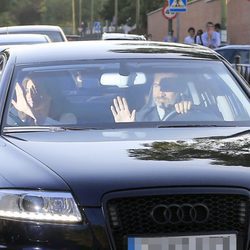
pixel 170 28
pixel 166 13
pixel 169 16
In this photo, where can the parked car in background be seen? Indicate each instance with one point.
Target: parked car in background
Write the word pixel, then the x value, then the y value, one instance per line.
pixel 74 38
pixel 11 39
pixel 231 51
pixel 122 36
pixel 55 33
pixel 89 162
pixel 239 57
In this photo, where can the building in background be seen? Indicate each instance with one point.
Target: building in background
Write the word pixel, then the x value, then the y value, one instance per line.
pixel 233 14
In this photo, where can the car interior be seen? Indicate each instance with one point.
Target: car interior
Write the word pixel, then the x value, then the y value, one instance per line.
pixel 82 94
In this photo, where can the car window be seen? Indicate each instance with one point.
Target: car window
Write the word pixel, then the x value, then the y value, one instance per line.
pixel 55 36
pixel 230 54
pixel 87 93
pixel 227 53
pixel 244 56
pixel 3 60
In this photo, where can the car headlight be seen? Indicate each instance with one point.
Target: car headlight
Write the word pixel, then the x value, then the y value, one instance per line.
pixel 39 206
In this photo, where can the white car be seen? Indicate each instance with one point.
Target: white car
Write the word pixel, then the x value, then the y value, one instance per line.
pixel 55 33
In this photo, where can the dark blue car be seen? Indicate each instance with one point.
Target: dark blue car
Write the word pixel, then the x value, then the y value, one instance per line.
pixel 123 145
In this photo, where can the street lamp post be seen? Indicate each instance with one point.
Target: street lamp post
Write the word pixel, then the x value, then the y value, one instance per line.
pixel 137 15
pixel 91 16
pixel 116 15
pixel 73 17
pixel 80 12
pixel 223 14
pixel 224 21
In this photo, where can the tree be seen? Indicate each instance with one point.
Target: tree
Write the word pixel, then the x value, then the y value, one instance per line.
pixel 59 12
pixel 127 11
pixel 16 12
pixel 26 11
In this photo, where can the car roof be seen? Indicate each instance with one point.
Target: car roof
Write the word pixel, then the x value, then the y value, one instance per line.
pixel 28 28
pixel 81 50
pixel 122 36
pixel 23 39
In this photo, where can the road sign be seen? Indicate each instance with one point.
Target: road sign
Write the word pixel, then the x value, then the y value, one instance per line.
pixel 178 5
pixel 97 27
pixel 166 12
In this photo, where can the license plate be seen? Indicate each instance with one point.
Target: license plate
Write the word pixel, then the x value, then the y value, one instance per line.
pixel 195 242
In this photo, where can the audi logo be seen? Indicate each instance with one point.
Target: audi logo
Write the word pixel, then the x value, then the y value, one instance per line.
pixel 185 213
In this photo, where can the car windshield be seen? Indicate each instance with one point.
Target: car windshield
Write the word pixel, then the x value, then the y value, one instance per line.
pixel 108 92
pixel 55 36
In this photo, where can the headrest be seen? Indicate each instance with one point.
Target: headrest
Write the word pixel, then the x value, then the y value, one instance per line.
pixel 171 84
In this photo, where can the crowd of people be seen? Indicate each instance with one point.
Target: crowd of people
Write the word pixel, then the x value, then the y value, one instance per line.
pixel 210 38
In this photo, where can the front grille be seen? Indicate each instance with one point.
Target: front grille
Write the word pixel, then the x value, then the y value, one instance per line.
pixel 133 216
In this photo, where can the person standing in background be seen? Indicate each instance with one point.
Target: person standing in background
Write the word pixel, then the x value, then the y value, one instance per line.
pixel 217 28
pixel 211 38
pixel 170 38
pixel 197 38
pixel 190 38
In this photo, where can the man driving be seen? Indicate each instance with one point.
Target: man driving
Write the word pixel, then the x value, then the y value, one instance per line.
pixel 166 97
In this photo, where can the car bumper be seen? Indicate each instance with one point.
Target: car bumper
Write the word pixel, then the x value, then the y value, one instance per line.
pixel 129 214
pixel 30 235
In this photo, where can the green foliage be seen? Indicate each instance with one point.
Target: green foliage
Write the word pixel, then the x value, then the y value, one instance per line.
pixel 26 12
pixel 56 12
pixel 16 12
pixel 59 12
pixel 127 11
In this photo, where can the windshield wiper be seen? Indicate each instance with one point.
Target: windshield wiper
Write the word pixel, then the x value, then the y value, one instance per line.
pixel 28 129
pixel 200 124
pixel 33 129
pixel 190 126
pixel 74 128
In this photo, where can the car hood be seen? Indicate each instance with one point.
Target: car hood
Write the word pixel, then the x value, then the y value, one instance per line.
pixel 94 163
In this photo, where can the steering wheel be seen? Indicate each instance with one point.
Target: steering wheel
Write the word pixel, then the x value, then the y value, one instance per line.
pixel 194 110
pixel 172 114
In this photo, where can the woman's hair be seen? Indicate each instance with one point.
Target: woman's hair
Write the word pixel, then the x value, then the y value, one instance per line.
pixel 191 29
pixel 38 92
pixel 199 32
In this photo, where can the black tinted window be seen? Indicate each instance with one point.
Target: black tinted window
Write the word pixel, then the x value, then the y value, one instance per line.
pixel 230 55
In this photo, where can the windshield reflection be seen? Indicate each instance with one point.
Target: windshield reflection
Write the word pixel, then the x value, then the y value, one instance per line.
pixel 227 151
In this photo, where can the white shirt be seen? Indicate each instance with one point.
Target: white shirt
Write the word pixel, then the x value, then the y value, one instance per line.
pixel 189 40
pixel 161 112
